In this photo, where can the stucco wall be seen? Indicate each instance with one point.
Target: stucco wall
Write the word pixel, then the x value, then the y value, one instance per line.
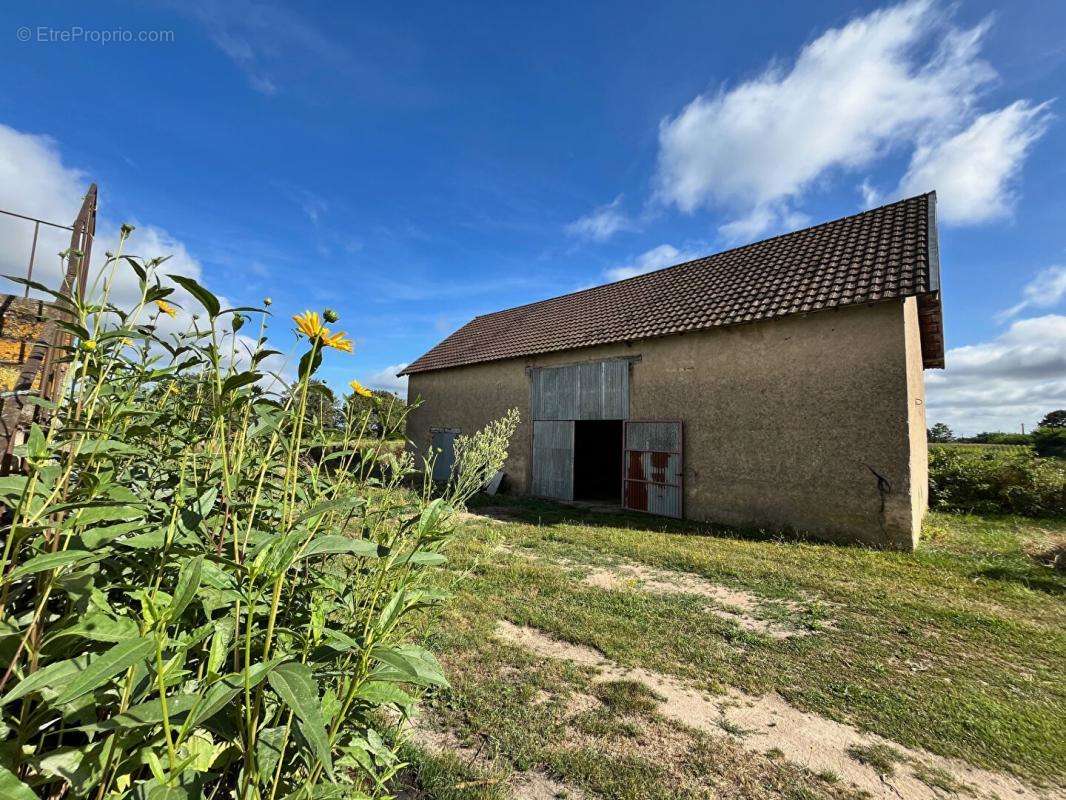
pixel 918 486
pixel 807 423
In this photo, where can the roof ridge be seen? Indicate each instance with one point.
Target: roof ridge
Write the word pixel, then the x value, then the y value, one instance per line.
pixel 828 265
pixel 736 249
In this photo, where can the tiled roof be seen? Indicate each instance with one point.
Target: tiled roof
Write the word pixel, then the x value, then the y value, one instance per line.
pixel 889 252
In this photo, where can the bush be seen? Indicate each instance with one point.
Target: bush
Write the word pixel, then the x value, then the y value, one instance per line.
pixel 986 481
pixel 1050 442
pixel 1009 438
pixel 191 606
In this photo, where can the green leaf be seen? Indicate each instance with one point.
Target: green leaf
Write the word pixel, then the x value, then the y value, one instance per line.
pixel 11 788
pixel 98 534
pixel 268 749
pixel 36 447
pixel 425 558
pixel 47 561
pixel 34 400
pixel 150 713
pixel 297 688
pixel 309 362
pixel 101 627
pixel 225 689
pixel 261 354
pixel 188 583
pixel 106 666
pixel 54 674
pixel 100 446
pixel 339 641
pixel 13 485
pixel 412 664
pixel 107 513
pixel 383 692
pixel 40 287
pixel 205 298
pixel 151 540
pixel 239 380
pixel 219 646
pixel 332 545
pixel 330 505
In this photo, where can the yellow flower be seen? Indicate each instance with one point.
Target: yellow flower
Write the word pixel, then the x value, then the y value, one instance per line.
pixel 166 308
pixel 309 324
pixel 88 344
pixel 359 389
pixel 338 340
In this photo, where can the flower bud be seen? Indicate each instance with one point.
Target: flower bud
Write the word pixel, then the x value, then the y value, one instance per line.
pixel 330 315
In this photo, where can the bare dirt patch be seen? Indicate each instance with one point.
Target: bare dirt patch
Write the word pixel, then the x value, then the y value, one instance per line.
pixel 742 608
pixel 537 786
pixel 494 515
pixel 769 725
pixel 733 605
pixel 531 785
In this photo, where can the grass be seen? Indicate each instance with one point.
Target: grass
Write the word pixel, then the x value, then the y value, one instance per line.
pixel 998 448
pixel 958 648
pixel 879 756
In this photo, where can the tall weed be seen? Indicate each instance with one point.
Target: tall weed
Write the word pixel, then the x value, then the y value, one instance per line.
pixel 996 481
pixel 190 604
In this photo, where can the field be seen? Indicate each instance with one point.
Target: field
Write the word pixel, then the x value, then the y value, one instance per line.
pixel 625 656
pixel 994 448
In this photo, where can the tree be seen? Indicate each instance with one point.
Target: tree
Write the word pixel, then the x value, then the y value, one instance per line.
pixel 1054 419
pixel 1050 442
pixel 941 433
pixel 384 412
pixel 321 405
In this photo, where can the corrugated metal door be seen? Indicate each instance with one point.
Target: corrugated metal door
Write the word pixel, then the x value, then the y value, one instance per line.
pixel 444 447
pixel 596 390
pixel 553 459
pixel 653 467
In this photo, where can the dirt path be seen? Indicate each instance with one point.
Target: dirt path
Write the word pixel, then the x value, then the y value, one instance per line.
pixel 769 724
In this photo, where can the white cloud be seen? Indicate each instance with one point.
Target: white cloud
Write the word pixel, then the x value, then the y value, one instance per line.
pixel 665 255
pixel 871 195
pixel 386 379
pixel 603 223
pixel 900 77
pixel 34 181
pixel 761 219
pixel 973 170
pixel 997 385
pixel 1047 289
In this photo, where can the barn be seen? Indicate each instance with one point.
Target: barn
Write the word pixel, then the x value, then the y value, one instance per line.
pixel 776 386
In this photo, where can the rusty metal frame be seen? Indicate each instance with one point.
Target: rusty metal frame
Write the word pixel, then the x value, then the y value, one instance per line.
pixel 53 338
pixel 680 452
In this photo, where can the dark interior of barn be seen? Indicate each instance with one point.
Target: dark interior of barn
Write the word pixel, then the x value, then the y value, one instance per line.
pixel 598 460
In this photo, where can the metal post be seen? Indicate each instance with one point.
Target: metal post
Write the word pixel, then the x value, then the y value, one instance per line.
pixel 33 256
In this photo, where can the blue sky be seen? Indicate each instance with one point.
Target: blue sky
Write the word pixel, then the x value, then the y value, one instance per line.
pixel 414 166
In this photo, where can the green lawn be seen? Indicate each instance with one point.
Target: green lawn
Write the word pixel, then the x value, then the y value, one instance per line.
pixel 958 649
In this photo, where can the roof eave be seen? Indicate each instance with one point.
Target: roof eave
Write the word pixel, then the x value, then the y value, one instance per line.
pixel 930 310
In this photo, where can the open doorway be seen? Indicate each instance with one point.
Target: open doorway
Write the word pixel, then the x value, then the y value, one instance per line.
pixel 598 460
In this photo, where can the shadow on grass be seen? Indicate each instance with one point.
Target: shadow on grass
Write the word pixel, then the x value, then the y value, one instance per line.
pixel 1031 576
pixel 549 513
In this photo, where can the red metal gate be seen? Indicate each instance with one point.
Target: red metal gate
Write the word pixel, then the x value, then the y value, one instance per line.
pixel 652 479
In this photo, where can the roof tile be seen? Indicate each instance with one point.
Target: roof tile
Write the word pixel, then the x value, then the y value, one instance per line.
pixel 876 255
